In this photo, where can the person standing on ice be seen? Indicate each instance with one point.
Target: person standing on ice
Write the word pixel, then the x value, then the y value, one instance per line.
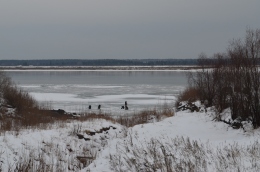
pixel 126 107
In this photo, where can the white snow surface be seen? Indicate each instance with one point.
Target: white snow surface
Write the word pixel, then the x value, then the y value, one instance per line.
pixel 197 126
pixel 56 145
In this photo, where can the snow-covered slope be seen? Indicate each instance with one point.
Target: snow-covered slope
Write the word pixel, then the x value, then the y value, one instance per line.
pixel 59 148
pixel 175 134
pixel 184 142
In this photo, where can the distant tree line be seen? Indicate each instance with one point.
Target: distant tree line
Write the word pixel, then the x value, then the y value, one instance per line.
pixel 99 62
pixel 234 79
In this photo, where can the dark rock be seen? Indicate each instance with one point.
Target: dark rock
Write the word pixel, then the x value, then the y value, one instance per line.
pixel 61 111
pixel 91 133
pixel 113 127
pixel 105 128
pixel 188 106
pixel 194 108
pixel 100 131
pixel 86 139
pixel 237 125
pixel 80 136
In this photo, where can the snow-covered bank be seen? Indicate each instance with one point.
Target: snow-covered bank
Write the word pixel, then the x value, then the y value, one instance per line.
pixel 185 137
pixel 60 148
pixel 185 142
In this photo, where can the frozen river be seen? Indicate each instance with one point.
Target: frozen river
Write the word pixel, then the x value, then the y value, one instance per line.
pixel 74 91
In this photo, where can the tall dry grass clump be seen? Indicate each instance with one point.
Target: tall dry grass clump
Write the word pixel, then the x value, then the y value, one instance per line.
pixel 145 116
pixel 26 111
pixel 189 95
pixel 183 154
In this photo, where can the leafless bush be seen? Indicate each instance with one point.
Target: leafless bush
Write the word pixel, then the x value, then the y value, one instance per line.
pixel 234 80
pixel 189 95
pixel 27 112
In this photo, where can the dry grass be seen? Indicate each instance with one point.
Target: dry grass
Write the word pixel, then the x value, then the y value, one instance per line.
pixel 49 157
pixel 92 116
pixel 27 112
pixel 144 117
pixel 190 94
pixel 43 119
pixel 180 154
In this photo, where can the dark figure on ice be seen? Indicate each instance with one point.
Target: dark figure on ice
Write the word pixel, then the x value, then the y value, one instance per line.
pixel 99 107
pixel 122 107
pixel 89 107
pixel 126 107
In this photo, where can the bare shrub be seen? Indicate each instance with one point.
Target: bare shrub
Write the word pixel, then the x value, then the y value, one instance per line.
pixel 234 80
pixel 190 94
pixel 203 81
pixel 27 111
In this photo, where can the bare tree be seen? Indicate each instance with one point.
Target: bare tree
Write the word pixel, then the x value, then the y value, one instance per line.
pixel 234 80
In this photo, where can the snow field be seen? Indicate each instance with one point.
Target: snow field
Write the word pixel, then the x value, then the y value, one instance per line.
pixel 184 142
pixel 56 149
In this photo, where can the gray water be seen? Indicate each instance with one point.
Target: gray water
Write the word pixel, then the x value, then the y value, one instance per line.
pixel 75 90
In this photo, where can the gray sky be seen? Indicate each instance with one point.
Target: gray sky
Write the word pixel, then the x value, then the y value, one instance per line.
pixel 98 29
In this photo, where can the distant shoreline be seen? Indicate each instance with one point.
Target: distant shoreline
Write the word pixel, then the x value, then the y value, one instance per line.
pixel 100 68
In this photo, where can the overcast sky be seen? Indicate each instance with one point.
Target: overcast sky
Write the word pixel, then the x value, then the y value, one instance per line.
pixel 120 29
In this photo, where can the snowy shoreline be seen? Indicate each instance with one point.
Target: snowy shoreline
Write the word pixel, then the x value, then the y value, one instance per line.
pixel 99 68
